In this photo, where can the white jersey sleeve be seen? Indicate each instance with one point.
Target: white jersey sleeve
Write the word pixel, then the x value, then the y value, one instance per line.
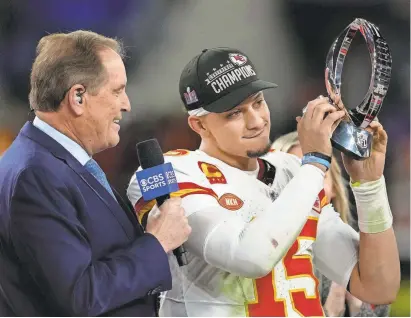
pixel 336 247
pixel 223 238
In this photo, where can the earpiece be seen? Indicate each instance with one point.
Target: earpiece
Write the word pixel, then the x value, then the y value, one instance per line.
pixel 79 99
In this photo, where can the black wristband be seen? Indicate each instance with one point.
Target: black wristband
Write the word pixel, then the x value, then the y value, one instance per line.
pixel 319 155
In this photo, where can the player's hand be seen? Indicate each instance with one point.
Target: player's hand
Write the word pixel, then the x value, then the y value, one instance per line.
pixel 316 126
pixel 372 168
pixel 169 224
pixel 335 303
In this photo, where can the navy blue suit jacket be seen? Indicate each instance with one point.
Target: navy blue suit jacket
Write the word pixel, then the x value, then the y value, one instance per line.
pixel 66 246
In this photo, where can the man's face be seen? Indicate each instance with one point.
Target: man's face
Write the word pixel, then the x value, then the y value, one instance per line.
pixel 242 131
pixel 104 110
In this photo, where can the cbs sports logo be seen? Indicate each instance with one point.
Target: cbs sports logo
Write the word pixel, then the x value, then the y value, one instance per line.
pixel 158 181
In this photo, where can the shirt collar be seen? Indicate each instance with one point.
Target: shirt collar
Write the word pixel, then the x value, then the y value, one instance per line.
pixel 69 144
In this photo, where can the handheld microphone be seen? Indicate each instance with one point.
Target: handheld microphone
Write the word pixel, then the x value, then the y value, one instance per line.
pixel 157 180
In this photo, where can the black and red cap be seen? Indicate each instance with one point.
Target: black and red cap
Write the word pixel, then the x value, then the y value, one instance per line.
pixel 219 79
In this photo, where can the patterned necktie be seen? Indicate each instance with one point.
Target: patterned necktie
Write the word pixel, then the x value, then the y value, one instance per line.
pixel 93 167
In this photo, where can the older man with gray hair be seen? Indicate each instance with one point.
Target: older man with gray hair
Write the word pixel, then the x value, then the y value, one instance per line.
pixel 69 243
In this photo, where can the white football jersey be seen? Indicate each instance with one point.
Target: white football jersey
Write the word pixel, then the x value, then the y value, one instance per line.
pixel 291 288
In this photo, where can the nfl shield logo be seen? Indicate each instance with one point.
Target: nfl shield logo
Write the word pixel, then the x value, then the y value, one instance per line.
pixel 361 140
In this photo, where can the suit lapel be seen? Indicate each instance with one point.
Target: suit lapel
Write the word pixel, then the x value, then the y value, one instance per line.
pixel 60 152
pixel 107 198
pixel 128 209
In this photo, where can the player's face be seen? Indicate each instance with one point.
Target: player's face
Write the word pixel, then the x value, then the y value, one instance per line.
pixel 104 110
pixel 328 180
pixel 244 130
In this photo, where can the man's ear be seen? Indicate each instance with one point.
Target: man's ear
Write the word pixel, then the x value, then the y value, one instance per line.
pixel 199 125
pixel 76 99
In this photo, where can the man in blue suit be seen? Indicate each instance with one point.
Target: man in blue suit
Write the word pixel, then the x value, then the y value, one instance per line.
pixel 69 245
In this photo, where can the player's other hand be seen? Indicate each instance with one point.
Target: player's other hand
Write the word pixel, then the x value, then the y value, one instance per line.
pixel 372 168
pixel 316 126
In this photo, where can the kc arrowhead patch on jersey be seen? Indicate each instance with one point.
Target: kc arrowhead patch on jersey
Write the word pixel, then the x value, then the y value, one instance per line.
pixel 213 174
pixel 230 201
pixel 177 152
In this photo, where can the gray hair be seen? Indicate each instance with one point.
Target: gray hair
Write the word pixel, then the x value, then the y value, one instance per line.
pixel 63 60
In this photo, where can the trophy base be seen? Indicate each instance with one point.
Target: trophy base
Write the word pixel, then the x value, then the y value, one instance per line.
pixel 353 141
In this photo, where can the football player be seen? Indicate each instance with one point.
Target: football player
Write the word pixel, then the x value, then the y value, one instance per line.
pixel 259 217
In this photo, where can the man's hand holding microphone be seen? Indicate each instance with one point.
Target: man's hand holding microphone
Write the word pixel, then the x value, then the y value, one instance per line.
pixel 169 224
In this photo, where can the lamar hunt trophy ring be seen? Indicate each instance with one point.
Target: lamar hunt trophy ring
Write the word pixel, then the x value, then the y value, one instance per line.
pixel 350 135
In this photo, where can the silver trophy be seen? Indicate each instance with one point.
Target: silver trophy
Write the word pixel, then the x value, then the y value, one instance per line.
pixel 350 135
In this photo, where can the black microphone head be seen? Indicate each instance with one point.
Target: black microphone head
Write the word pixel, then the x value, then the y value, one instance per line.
pixel 149 153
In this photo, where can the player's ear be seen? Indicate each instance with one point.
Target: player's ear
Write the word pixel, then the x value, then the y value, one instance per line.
pixel 196 123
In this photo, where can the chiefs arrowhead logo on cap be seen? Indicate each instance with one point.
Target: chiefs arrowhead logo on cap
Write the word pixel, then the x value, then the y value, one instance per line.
pixel 237 59
pixel 213 174
pixel 230 201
